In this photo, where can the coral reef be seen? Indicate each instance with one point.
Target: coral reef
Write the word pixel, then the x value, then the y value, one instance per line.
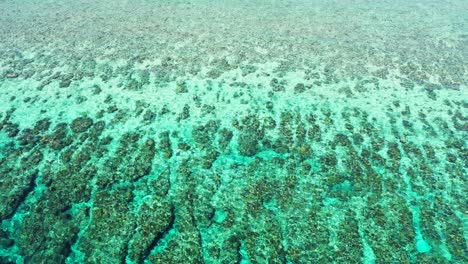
pixel 128 135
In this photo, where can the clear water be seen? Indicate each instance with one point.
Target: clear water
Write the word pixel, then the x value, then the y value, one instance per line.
pixel 233 131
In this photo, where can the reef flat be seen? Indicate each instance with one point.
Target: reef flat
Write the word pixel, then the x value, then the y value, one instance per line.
pixel 233 131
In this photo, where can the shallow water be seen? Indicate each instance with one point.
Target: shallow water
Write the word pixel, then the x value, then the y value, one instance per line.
pixel 233 131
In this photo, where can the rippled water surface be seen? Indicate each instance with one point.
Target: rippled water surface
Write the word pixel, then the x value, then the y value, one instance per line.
pixel 234 131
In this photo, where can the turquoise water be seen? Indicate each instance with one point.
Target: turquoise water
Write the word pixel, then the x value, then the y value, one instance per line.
pixel 234 131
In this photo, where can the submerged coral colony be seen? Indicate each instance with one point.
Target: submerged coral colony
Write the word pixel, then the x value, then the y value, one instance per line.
pixel 242 142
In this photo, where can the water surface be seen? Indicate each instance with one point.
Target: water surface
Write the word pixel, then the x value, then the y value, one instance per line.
pixel 233 131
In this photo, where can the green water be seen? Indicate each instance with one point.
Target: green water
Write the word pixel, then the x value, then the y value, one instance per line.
pixel 234 131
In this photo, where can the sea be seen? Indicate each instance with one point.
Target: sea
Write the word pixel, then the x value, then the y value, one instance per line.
pixel 233 131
